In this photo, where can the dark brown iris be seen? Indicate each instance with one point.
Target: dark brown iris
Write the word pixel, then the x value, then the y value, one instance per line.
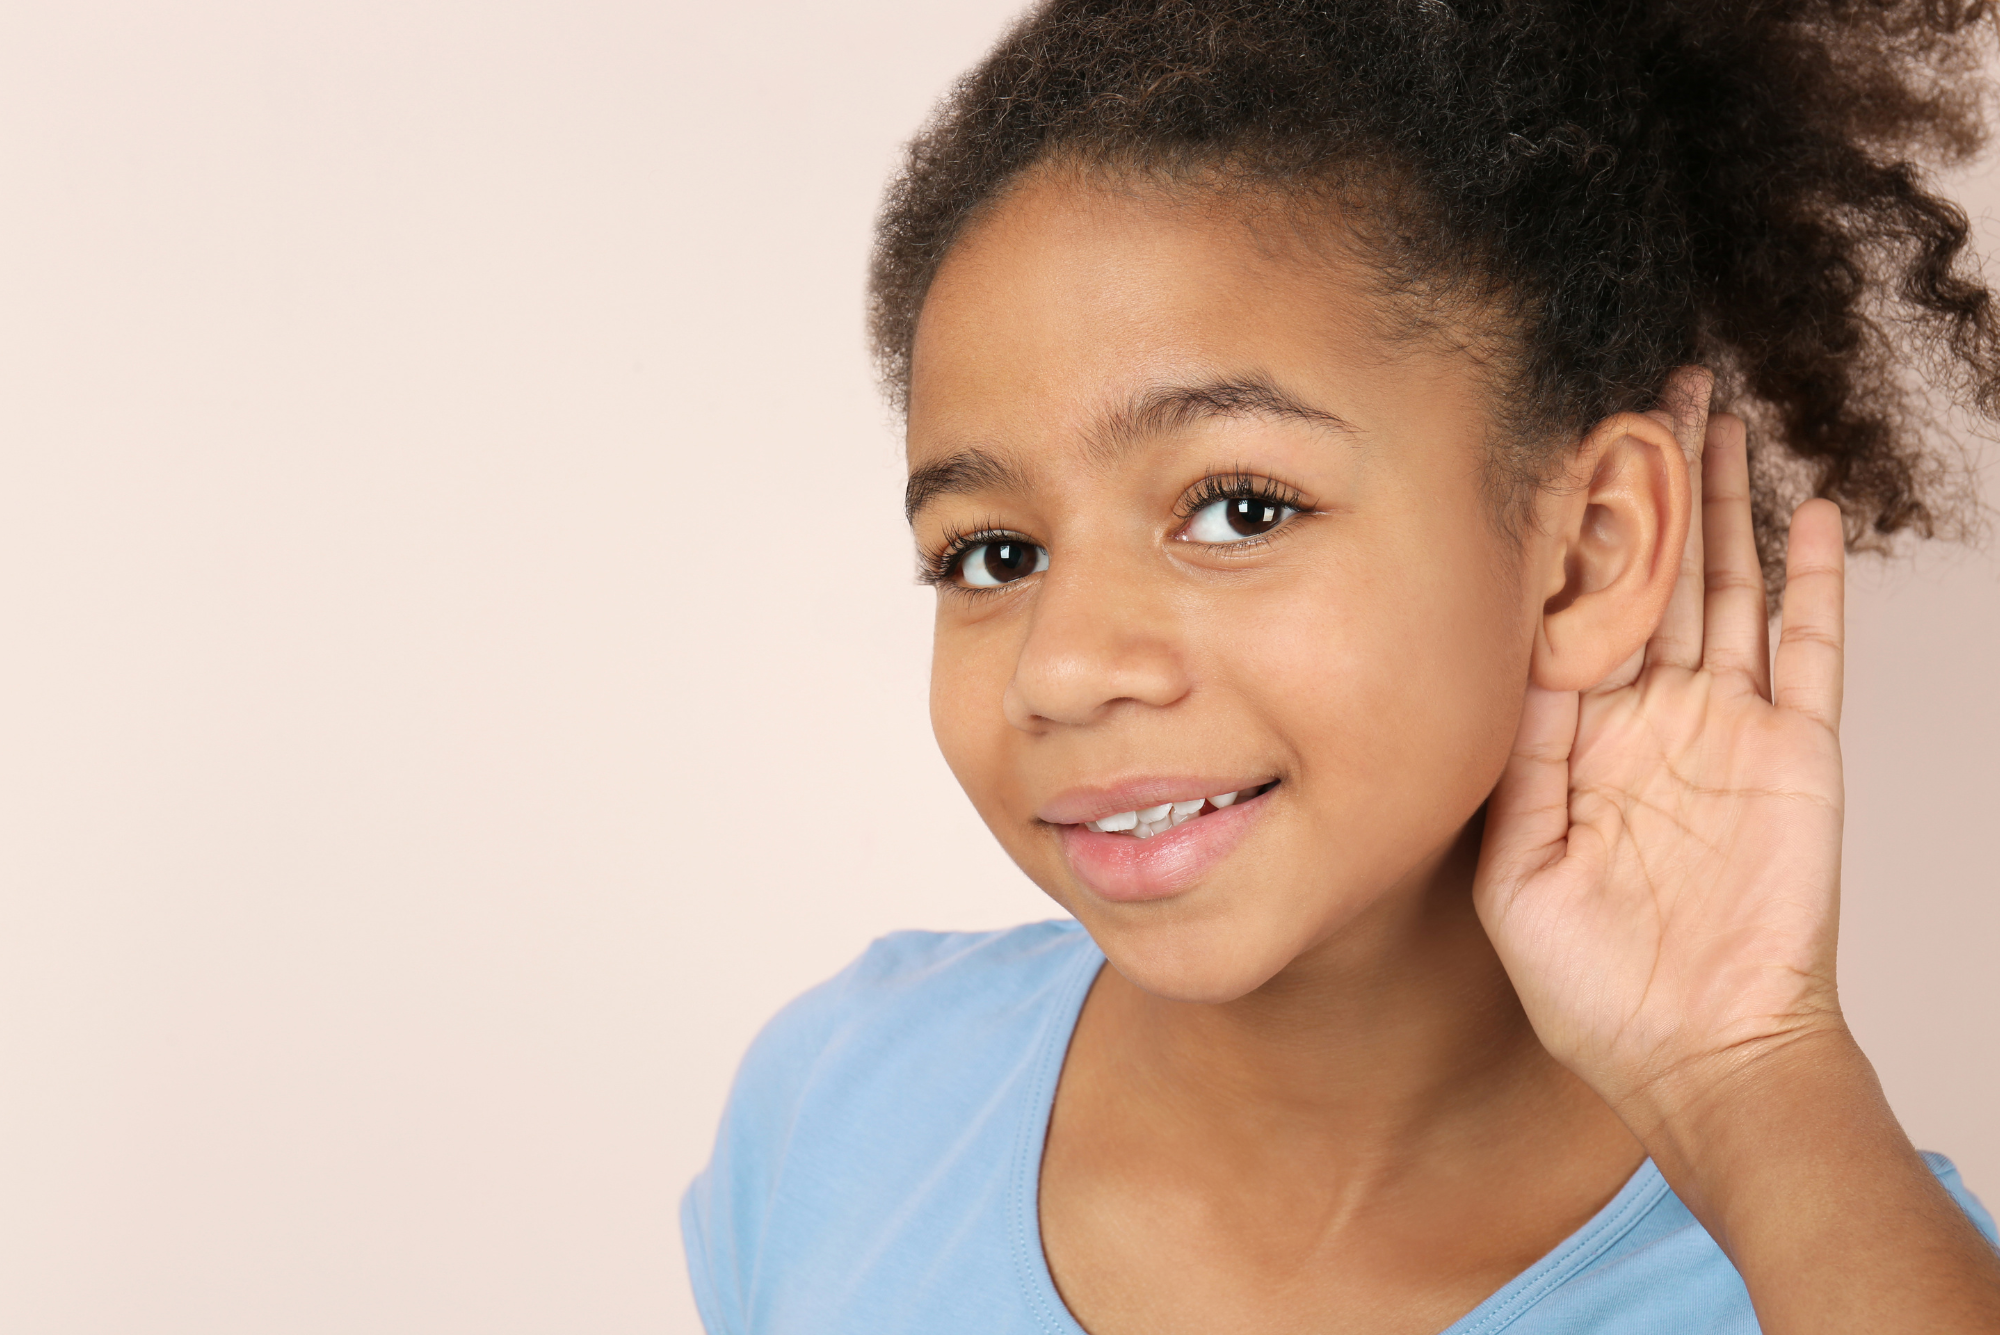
pixel 1005 562
pixel 1249 516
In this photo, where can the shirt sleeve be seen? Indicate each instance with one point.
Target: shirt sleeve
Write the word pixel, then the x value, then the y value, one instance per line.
pixel 1947 1173
pixel 725 1210
pixel 696 1207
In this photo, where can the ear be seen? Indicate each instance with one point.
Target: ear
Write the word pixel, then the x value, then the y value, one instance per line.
pixel 1614 550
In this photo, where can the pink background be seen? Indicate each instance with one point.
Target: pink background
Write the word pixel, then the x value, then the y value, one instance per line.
pixel 461 669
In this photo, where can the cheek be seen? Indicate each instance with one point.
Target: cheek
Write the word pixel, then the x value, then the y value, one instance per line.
pixel 970 668
pixel 1396 688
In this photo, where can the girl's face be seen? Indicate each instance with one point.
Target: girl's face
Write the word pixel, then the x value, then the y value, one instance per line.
pixel 1203 531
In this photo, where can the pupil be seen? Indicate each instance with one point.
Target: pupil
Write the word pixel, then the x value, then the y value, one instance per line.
pixel 1249 516
pixel 1008 561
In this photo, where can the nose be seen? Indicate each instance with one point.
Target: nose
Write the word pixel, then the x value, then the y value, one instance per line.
pixel 1097 638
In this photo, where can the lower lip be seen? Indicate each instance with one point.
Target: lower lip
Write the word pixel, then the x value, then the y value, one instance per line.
pixel 1125 870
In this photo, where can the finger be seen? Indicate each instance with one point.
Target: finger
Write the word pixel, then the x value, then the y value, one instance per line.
pixel 1527 817
pixel 1813 627
pixel 1624 674
pixel 1684 407
pixel 1736 626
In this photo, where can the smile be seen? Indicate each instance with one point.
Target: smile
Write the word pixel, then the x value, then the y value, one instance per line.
pixel 1149 821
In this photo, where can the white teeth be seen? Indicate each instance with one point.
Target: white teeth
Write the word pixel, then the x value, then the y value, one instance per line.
pixel 1149 821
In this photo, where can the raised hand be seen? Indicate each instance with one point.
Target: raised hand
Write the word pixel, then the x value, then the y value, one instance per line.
pixel 1661 866
pixel 1661 878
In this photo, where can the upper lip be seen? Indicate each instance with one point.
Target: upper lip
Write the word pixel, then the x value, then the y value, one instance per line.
pixel 1087 802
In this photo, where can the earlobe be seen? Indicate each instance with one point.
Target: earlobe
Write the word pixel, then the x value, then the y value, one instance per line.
pixel 1618 532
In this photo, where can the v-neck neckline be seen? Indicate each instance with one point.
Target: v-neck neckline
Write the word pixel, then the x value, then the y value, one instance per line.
pixel 1641 1192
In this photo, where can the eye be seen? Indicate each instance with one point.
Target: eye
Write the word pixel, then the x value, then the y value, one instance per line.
pixel 985 564
pixel 1234 518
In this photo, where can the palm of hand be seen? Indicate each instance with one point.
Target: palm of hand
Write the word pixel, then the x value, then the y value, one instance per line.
pixel 1661 865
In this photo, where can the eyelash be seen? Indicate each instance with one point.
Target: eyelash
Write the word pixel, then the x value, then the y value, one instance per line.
pixel 937 569
pixel 1237 486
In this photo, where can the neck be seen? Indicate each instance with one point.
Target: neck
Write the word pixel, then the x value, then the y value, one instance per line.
pixel 1397 1041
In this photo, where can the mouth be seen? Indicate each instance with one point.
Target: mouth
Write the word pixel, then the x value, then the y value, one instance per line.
pixel 1146 822
pixel 1159 851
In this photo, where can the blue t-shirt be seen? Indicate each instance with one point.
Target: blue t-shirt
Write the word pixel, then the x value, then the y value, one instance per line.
pixel 877 1168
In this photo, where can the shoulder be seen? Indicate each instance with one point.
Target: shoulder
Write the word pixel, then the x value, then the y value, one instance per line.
pixel 942 964
pixel 903 987
pixel 884 1072
pixel 918 1011
pixel 1646 1266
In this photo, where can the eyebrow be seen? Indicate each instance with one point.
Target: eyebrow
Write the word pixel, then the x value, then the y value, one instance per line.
pixel 958 474
pixel 1166 408
pixel 1163 408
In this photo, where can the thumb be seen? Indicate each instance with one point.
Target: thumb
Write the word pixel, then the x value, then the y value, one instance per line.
pixel 1527 818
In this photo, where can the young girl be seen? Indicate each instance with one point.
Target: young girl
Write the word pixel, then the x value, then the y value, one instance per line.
pixel 1352 611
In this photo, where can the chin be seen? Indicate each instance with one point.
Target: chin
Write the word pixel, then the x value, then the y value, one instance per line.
pixel 1192 957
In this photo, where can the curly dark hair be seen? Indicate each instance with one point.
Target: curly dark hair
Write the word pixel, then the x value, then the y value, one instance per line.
pixel 1626 185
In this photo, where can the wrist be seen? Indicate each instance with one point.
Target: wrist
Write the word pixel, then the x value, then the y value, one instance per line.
pixel 1695 1102
pixel 1736 1127
pixel 1788 1154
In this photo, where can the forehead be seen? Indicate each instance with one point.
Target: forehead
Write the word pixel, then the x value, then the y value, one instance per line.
pixel 1074 297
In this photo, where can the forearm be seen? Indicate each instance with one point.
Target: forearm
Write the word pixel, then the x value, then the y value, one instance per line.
pixel 1794 1163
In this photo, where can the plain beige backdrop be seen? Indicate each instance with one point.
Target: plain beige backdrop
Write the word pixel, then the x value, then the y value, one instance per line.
pixel 461 670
